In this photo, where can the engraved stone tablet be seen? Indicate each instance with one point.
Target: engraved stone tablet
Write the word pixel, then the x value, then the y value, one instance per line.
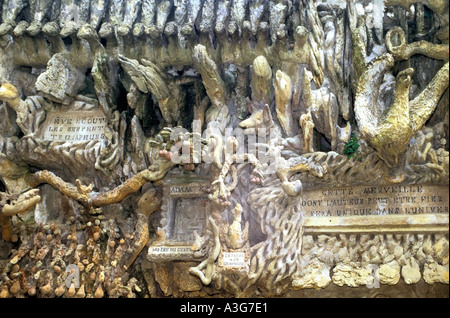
pixel 74 126
pixel 382 200
pixel 165 250
pixel 184 212
pixel 377 208
pixel 234 259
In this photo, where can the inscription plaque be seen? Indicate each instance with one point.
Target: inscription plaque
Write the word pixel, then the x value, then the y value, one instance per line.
pixel 162 250
pixel 381 200
pixel 73 126
pixel 184 212
pixel 234 259
pixel 390 208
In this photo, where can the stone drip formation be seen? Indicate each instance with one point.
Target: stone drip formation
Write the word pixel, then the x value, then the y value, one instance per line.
pixel 353 99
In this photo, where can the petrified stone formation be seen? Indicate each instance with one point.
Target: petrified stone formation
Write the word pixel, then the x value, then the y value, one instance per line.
pixel 229 147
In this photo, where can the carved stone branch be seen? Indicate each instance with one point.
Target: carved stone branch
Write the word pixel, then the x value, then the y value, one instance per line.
pixel 14 206
pixel 208 264
pixel 22 203
pixel 15 176
pixel 95 199
pixel 220 192
pixel 149 202
pixel 397 46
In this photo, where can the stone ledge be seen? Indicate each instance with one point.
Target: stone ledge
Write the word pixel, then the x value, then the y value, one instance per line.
pixel 375 224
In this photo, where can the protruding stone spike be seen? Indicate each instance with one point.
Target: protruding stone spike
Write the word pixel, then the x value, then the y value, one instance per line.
pixel 281 39
pixel 257 9
pixel 116 11
pixel 51 29
pixel 69 29
pixel 6 28
pixel 163 11
pixel 277 17
pixel 20 28
pixel 131 11
pixel 34 28
pixel 39 9
pixel 261 83
pixel 233 29
pixel 153 32
pixel 263 35
pixel 171 29
pixel 283 98
pixel 194 7
pixel 106 30
pixel 215 87
pixel 98 9
pixel 300 36
pixel 148 12
pixel 11 10
pixel 246 30
pixel 222 13
pixel 123 30
pixel 207 17
pixel 88 33
pixel 138 30
pixel 238 12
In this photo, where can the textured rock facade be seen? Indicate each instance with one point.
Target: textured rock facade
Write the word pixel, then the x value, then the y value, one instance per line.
pixel 224 148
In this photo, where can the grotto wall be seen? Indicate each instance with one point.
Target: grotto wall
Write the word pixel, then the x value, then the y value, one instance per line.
pixel 228 148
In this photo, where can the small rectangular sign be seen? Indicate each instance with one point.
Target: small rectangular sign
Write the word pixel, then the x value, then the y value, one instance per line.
pixel 234 259
pixel 362 201
pixel 74 126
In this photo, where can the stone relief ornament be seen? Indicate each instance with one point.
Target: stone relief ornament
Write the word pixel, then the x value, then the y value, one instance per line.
pixel 199 148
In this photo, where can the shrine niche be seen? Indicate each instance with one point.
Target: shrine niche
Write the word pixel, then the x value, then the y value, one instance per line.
pixel 184 212
pixel 228 148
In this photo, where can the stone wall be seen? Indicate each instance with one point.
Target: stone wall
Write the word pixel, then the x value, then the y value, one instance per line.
pixel 228 148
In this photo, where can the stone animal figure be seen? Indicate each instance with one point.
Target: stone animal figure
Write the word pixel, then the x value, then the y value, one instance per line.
pixel 286 168
pixel 236 237
pixel 390 132
pixel 261 118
